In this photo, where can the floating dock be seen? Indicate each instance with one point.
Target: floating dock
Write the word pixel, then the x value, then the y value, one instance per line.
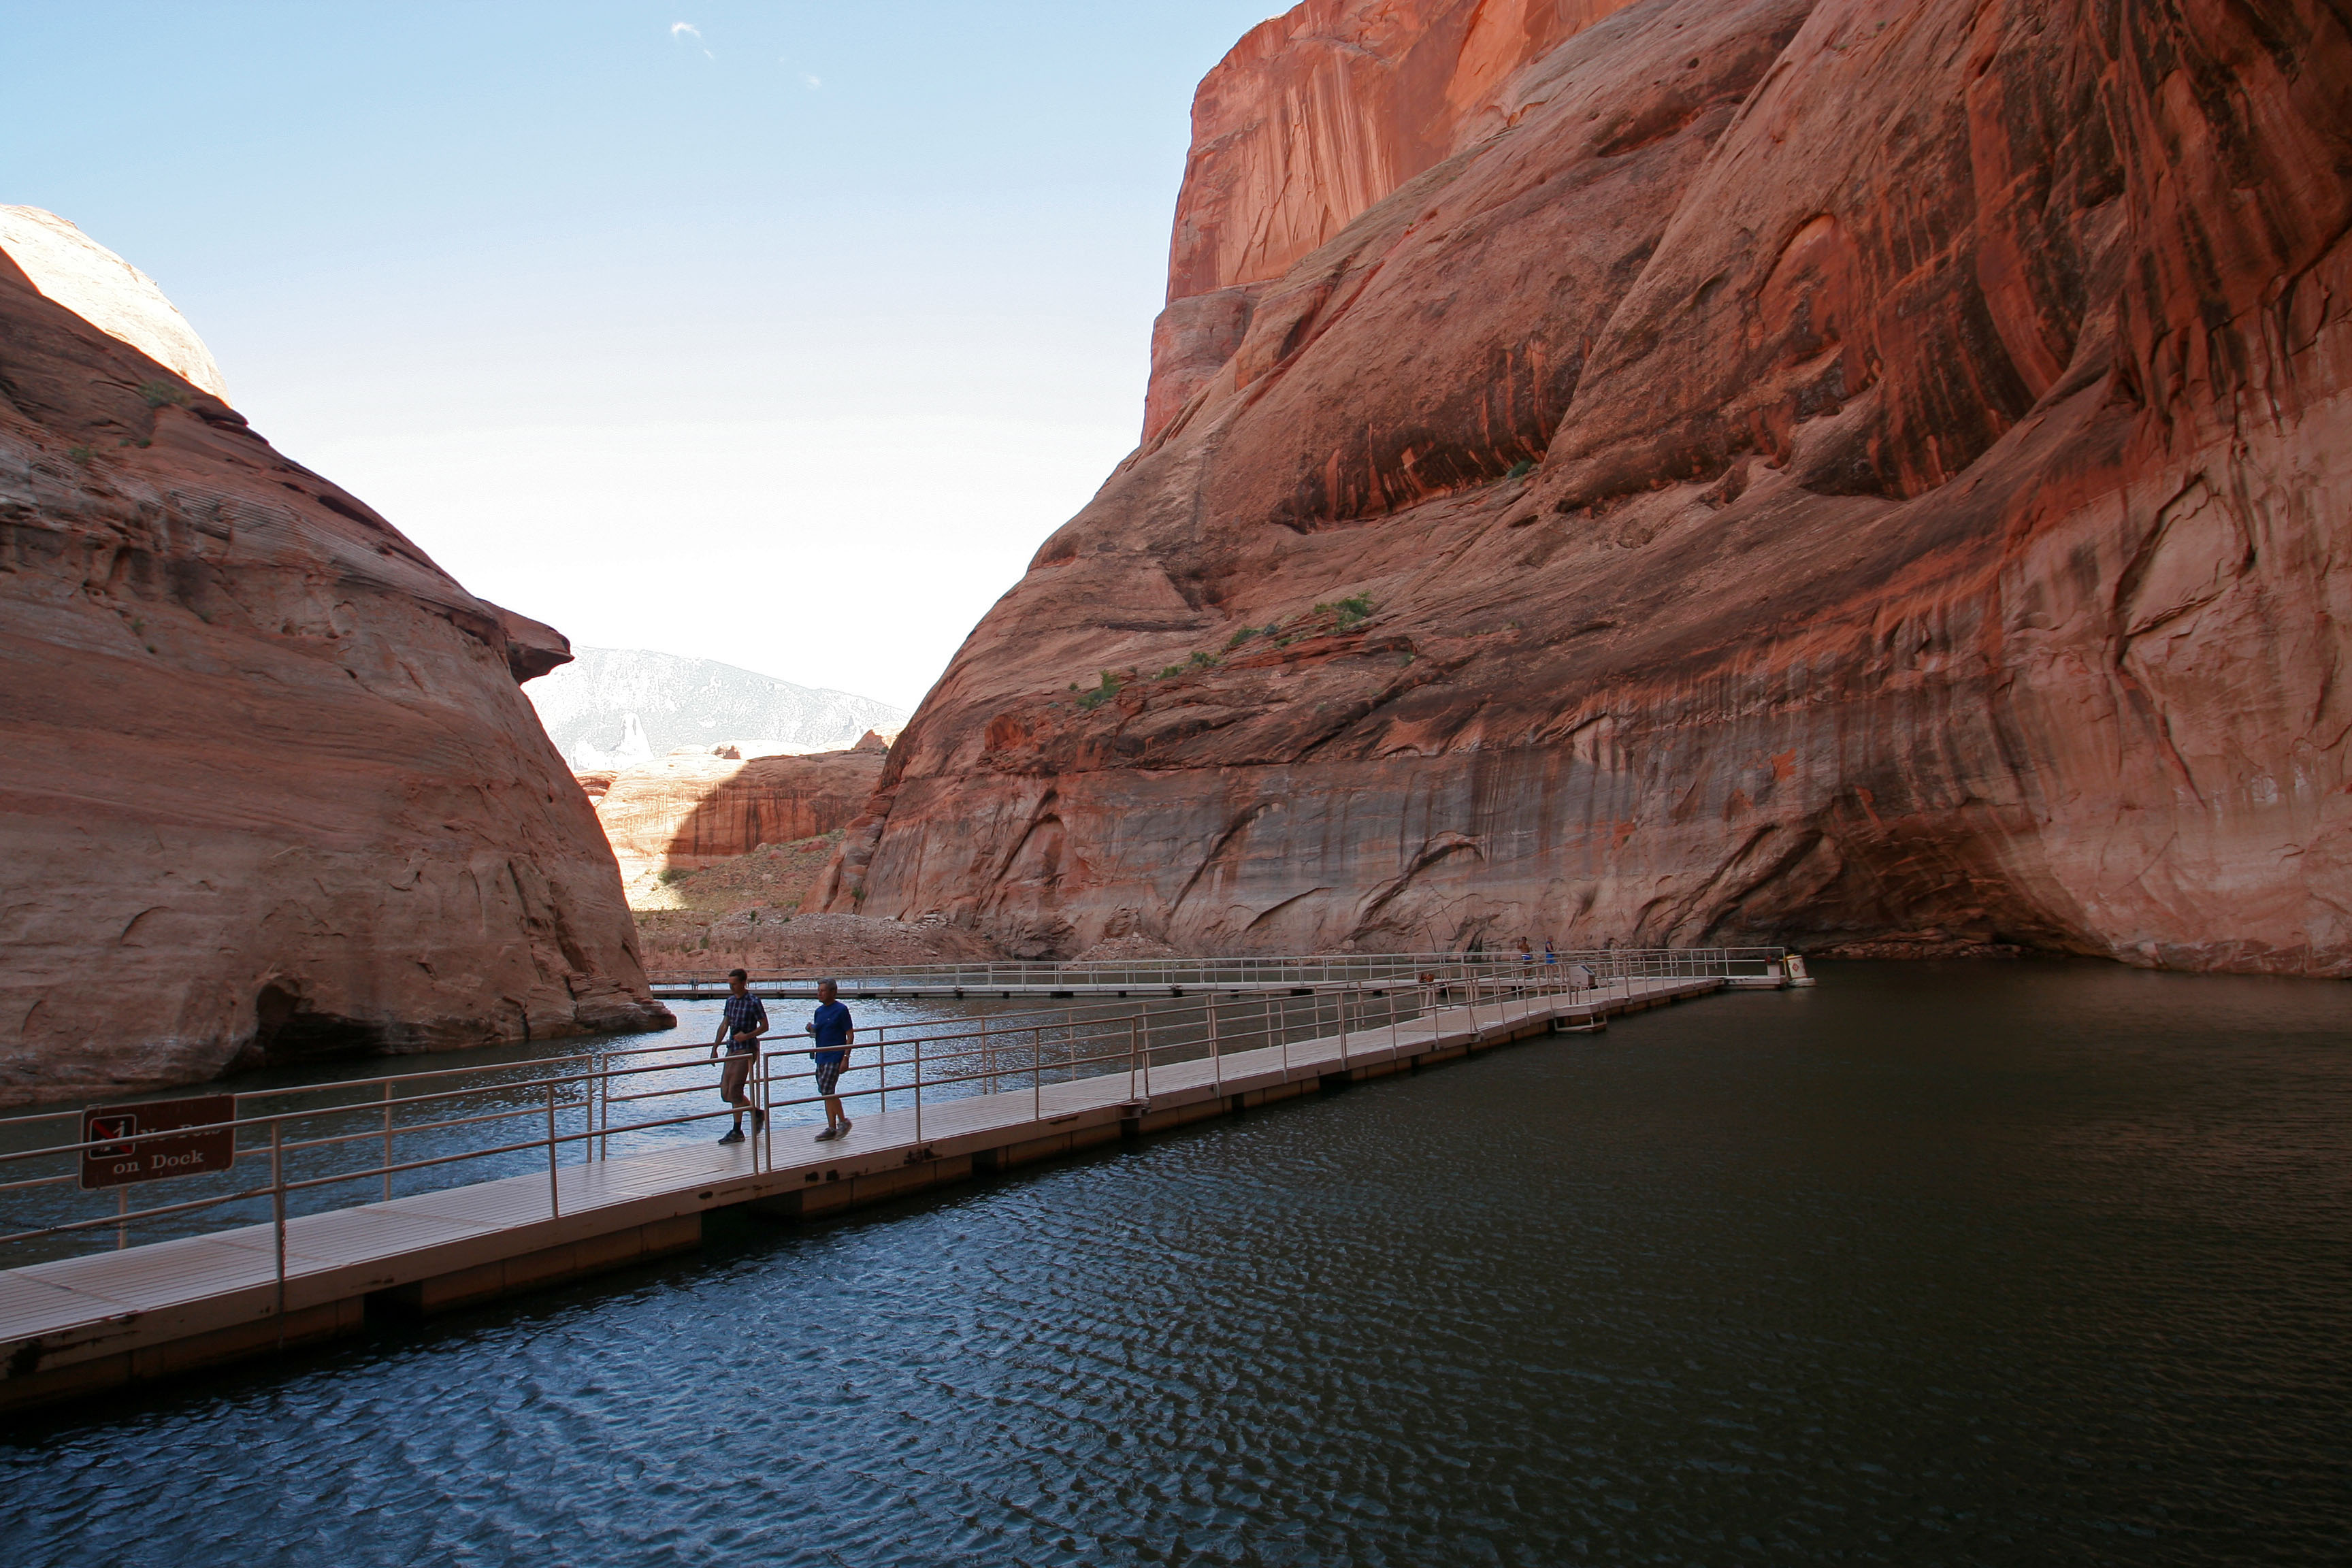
pixel 1761 968
pixel 80 1325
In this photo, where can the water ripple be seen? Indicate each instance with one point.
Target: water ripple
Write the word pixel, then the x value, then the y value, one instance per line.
pixel 1931 1265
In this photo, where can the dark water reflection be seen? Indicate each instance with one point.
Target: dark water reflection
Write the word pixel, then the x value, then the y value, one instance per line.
pixel 1933 1265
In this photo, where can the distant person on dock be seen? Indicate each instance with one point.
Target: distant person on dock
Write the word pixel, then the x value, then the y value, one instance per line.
pixel 1526 954
pixel 1552 953
pixel 741 1022
pixel 834 1031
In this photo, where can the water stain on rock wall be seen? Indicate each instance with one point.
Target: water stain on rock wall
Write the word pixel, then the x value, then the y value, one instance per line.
pixel 1695 471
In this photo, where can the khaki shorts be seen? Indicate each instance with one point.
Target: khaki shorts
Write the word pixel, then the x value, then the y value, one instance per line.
pixel 739 1067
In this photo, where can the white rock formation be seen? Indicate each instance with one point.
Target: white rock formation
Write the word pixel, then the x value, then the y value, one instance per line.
pixel 632 749
pixel 75 270
pixel 614 708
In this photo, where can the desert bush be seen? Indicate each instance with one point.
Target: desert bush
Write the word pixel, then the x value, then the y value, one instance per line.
pixel 1100 694
pixel 1349 611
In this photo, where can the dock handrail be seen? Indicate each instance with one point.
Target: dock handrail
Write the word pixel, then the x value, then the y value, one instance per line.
pixel 1325 969
pixel 570 1101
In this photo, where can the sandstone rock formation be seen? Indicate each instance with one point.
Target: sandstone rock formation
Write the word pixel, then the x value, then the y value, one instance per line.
pixel 683 944
pixel 68 267
pixel 696 809
pixel 1313 117
pixel 774 878
pixel 747 911
pixel 270 788
pixel 1703 471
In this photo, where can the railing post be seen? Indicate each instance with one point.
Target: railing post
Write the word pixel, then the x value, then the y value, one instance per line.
pixel 122 1217
pixel 1037 1072
pixel 387 1139
pixel 1216 1061
pixel 278 1213
pixel 1133 1019
pixel 918 1088
pixel 554 1206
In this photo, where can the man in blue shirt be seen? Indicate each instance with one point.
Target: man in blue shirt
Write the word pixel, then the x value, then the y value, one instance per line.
pixel 831 1029
pixel 740 1023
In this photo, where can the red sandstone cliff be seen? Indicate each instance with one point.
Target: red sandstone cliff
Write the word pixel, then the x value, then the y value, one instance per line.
pixel 271 787
pixel 695 809
pixel 1739 469
pixel 1313 117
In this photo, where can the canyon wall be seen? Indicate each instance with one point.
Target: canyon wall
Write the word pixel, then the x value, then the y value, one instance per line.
pixel 1733 470
pixel 1313 117
pixel 693 810
pixel 271 787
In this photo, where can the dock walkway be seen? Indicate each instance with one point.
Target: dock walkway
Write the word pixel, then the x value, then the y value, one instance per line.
pixel 80 1324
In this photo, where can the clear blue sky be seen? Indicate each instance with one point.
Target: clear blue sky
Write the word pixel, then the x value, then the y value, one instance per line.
pixel 782 337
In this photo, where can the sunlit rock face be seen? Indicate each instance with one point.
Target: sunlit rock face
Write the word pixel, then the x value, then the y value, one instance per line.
pixel 271 787
pixel 68 267
pixel 1790 470
pixel 1312 118
pixel 697 807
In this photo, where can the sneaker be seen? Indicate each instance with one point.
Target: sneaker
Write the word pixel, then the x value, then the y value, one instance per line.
pixel 845 1125
pixel 733 1135
pixel 828 1136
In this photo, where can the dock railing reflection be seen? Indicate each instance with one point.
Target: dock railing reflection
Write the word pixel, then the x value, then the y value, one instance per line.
pixel 368 1139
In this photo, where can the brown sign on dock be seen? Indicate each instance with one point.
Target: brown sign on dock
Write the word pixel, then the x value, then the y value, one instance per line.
pixel 142 1158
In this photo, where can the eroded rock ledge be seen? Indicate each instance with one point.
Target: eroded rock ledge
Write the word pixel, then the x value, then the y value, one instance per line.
pixel 1771 471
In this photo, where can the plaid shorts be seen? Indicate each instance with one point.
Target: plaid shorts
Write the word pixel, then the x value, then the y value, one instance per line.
pixel 828 1071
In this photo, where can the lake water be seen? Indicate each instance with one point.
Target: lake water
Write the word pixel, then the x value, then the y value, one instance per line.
pixel 1934 1264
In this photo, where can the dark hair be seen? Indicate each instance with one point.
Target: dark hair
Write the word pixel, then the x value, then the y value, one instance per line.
pixel 737 974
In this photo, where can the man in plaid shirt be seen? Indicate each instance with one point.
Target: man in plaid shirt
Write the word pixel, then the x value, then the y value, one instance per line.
pixel 740 1023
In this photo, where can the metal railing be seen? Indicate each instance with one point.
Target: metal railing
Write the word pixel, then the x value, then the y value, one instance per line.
pixel 372 1139
pixel 1319 970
